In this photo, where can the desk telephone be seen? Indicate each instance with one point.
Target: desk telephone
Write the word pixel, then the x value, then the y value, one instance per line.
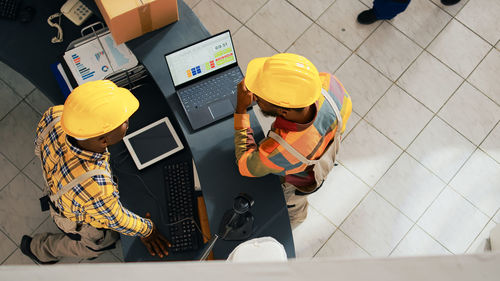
pixel 76 11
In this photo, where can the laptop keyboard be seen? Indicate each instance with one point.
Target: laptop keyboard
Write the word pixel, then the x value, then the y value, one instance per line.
pixel 210 90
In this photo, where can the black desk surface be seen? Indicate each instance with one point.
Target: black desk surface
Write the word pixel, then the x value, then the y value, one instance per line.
pixel 211 148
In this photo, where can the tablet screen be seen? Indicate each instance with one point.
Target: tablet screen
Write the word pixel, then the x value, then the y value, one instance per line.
pixel 153 143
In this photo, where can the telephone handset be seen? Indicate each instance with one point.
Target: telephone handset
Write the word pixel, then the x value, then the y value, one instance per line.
pixel 76 11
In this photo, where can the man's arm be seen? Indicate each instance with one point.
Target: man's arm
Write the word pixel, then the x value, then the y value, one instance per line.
pixel 252 160
pixel 110 212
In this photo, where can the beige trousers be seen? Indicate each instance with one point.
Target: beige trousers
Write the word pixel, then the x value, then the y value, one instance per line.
pixel 297 204
pixel 50 247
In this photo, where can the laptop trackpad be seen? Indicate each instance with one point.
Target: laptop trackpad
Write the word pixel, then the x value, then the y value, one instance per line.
pixel 220 108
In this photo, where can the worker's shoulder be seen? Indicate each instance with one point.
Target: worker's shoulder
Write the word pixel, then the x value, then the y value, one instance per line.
pixel 54 111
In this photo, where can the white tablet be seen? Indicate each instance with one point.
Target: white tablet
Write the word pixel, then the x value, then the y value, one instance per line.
pixel 153 143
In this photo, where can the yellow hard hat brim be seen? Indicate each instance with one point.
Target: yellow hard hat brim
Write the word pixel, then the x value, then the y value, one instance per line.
pixel 252 75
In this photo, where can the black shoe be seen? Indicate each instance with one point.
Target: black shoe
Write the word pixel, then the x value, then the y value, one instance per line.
pixel 449 2
pixel 25 249
pixel 367 17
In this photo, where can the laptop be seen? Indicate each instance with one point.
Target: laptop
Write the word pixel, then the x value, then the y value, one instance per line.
pixel 205 76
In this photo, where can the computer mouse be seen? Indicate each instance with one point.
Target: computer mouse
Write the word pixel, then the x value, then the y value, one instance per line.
pixel 26 14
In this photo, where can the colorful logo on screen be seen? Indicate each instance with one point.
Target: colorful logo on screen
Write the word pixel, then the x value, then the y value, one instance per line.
pixel 193 71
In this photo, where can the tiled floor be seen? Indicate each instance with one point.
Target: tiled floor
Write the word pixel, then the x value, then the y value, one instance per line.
pixel 420 163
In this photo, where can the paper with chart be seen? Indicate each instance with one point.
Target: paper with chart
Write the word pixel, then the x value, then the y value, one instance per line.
pixel 98 58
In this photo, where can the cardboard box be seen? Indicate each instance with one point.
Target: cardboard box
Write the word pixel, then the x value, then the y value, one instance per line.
pixel 129 19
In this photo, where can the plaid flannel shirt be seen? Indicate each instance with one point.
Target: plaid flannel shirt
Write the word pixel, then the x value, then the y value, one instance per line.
pixel 94 201
pixel 309 139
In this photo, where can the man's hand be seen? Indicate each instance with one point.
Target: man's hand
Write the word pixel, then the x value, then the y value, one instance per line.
pixel 156 243
pixel 244 98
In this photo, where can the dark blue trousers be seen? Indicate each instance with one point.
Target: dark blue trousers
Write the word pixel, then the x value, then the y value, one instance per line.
pixel 387 9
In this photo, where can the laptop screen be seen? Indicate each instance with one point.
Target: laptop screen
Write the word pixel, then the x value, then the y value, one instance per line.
pixel 201 58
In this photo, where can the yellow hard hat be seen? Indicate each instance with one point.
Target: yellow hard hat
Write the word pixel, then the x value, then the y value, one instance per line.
pixel 286 80
pixel 96 108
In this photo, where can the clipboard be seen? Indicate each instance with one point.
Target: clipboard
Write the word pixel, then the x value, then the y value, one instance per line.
pixel 95 56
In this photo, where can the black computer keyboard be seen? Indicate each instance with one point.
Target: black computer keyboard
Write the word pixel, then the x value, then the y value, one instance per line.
pixel 211 89
pixel 9 9
pixel 181 204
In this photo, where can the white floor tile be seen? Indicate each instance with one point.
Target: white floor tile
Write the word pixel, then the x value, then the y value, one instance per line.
pixel 279 24
pixel 450 215
pixel 419 243
pixel 16 81
pixel 17 131
pixel 453 9
pixel 430 81
pixel 351 123
pixel 340 21
pixel 34 172
pixel 376 225
pixel 368 4
pixel 482 17
pixel 47 226
pixel 364 83
pixel 485 76
pixel 9 171
pixel 491 144
pixel 464 59
pixel 241 9
pixel 388 50
pixel 315 44
pixel 409 187
pixel 312 8
pixel 481 244
pixel 214 18
pixel 18 258
pixel 471 113
pixel 306 245
pixel 192 3
pixel 8 99
pixel 338 196
pixel 496 218
pixel 19 203
pixel 7 247
pixel 341 246
pixel 249 46
pixel 39 101
pixel 399 116
pixel 479 182
pixel 367 153
pixel 441 149
pixel 421 21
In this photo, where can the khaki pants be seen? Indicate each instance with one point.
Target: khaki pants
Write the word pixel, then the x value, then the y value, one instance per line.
pixel 297 204
pixel 50 247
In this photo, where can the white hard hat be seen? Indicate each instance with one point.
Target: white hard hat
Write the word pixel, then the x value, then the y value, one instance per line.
pixel 264 249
